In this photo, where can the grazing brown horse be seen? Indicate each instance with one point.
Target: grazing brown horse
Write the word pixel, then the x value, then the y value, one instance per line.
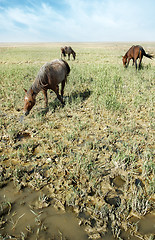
pixel 69 51
pixel 134 53
pixel 49 76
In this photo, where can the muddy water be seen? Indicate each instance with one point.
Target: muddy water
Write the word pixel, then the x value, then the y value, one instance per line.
pixel 25 217
pixel 118 181
pixel 146 225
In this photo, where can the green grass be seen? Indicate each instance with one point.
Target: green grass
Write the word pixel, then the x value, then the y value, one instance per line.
pixel 105 129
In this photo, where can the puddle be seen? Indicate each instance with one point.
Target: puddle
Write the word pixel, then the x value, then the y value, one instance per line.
pixel 29 215
pixel 23 219
pixel 118 181
pixel 127 235
pixel 146 225
pixel 108 236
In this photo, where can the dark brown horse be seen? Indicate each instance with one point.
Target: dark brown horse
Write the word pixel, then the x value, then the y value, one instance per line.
pixel 69 51
pixel 50 75
pixel 134 53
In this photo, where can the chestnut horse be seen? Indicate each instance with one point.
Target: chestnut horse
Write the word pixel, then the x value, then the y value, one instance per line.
pixel 49 76
pixel 134 53
pixel 69 51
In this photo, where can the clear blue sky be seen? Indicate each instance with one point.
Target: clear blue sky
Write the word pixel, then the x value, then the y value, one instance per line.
pixel 77 20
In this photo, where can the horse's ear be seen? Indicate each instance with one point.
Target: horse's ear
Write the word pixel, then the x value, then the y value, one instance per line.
pixel 25 90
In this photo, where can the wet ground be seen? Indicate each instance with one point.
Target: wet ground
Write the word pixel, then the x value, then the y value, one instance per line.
pixel 30 214
pixel 53 197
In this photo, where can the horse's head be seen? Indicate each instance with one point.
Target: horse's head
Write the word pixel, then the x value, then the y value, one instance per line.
pixel 124 59
pixel 63 51
pixel 29 101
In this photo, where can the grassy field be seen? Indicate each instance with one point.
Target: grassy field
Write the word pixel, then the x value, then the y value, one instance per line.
pixel 95 154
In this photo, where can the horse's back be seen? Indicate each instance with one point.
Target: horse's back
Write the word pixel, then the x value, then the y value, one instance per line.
pixel 134 51
pixel 56 65
pixel 138 47
pixel 68 49
pixel 55 71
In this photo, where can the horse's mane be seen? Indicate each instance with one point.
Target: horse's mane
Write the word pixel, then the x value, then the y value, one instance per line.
pixel 41 80
pixel 129 50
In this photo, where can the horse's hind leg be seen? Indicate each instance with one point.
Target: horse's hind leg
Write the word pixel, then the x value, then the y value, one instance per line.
pixel 62 87
pixel 139 67
pixel 56 90
pixel 140 60
pixel 68 56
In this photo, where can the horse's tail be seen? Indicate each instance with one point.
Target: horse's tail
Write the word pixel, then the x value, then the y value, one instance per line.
pixel 148 55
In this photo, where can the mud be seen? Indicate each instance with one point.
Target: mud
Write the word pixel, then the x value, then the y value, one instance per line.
pixel 30 214
pixel 45 200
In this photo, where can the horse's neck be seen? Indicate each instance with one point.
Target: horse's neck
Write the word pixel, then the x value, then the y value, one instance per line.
pixel 128 52
pixel 36 87
pixel 126 55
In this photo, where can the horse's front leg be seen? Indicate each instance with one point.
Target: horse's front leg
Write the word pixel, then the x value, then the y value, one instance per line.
pixel 46 98
pixel 128 62
pixel 68 56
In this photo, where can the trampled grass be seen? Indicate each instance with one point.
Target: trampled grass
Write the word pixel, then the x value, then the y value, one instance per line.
pixel 96 153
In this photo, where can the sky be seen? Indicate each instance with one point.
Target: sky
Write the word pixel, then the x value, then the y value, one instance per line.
pixel 77 20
